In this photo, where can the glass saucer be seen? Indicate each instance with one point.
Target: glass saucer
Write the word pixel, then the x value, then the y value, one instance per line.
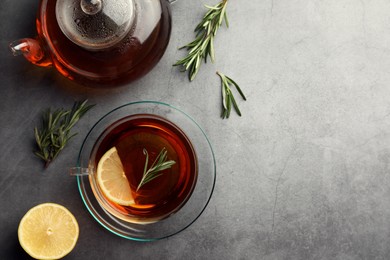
pixel 196 203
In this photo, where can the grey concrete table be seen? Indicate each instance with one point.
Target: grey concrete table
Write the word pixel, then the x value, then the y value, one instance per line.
pixel 303 174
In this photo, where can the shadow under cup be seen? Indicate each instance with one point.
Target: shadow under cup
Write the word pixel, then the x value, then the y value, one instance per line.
pixel 186 195
pixel 162 196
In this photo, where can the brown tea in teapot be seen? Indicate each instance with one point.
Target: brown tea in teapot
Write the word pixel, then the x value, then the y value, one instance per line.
pixel 137 41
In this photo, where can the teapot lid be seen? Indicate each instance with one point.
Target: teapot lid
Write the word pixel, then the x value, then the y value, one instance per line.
pixel 95 24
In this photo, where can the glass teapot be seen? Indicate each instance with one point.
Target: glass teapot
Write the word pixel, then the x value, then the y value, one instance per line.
pixel 99 42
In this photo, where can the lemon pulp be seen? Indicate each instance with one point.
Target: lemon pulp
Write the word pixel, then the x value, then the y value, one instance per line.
pixel 48 231
pixel 112 179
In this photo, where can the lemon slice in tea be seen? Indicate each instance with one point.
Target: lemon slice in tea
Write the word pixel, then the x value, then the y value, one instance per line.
pixel 48 231
pixel 112 179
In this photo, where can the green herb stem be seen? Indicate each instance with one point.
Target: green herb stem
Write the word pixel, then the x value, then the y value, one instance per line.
pixel 203 45
pixel 227 95
pixel 155 169
pixel 55 132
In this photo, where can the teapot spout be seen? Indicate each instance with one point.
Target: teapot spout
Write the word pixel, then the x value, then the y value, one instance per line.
pixel 32 50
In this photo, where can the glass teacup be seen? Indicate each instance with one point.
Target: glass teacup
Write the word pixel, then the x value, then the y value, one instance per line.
pixel 168 203
pixel 132 138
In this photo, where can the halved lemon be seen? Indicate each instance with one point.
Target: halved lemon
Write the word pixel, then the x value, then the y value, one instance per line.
pixel 112 179
pixel 48 231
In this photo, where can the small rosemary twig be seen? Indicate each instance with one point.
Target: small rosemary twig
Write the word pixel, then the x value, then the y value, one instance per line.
pixel 55 133
pixel 227 95
pixel 159 164
pixel 203 45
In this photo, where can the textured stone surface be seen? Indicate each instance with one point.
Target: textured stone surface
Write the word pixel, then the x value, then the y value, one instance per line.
pixel 303 174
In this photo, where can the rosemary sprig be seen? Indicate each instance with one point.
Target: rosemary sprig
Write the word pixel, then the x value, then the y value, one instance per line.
pixel 203 45
pixel 159 164
pixel 227 95
pixel 55 133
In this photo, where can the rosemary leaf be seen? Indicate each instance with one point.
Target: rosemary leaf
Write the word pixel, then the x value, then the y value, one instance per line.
pixel 54 133
pixel 229 102
pixel 237 87
pixel 226 20
pixel 235 105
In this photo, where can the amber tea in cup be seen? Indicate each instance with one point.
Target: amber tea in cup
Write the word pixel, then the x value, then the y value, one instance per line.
pixel 166 205
pixel 165 194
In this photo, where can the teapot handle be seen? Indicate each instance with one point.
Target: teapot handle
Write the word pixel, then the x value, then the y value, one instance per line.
pixel 32 50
